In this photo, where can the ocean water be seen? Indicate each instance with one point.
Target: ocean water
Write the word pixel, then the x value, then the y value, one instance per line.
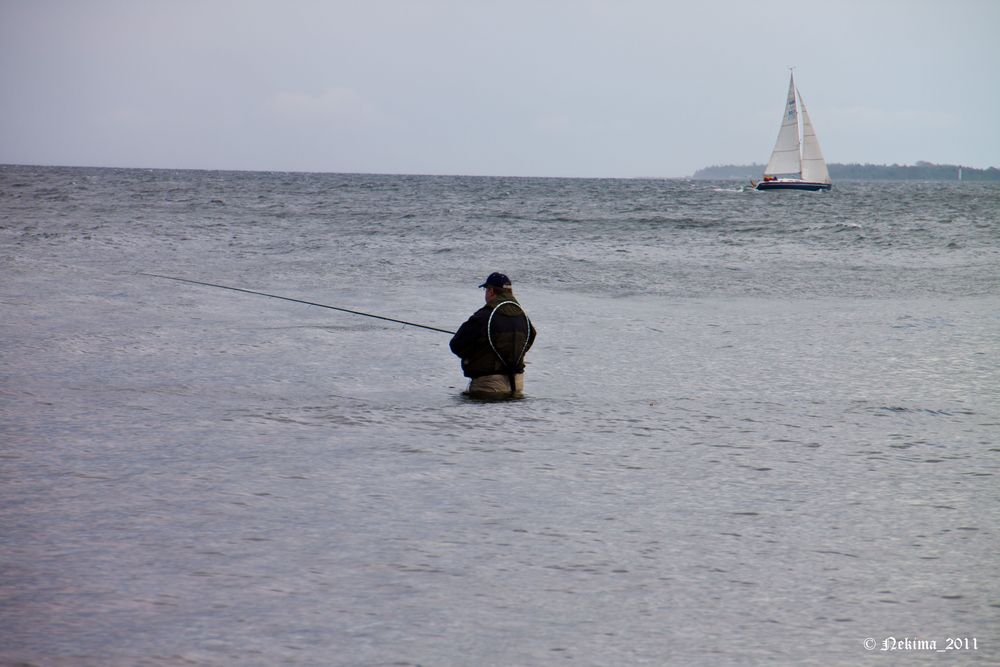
pixel 760 428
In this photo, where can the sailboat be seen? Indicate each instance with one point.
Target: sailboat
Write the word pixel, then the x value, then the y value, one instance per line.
pixel 795 164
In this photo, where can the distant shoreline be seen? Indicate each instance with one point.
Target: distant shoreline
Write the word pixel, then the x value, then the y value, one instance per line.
pixel 921 171
pixel 838 172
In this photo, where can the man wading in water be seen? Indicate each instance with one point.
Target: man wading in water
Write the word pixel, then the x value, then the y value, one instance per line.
pixel 492 343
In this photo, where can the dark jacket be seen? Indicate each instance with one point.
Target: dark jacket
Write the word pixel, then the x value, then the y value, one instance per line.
pixel 511 333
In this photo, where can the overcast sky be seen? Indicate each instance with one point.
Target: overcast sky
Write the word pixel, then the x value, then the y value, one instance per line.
pixel 617 88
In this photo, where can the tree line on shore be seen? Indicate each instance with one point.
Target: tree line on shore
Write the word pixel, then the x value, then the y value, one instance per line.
pixel 921 171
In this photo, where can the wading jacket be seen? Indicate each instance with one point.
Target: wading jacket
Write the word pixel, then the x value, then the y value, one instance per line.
pixel 510 332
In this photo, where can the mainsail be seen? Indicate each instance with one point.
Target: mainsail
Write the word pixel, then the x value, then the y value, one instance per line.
pixel 813 165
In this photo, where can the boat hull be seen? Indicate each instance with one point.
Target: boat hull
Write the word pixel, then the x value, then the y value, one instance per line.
pixel 792 185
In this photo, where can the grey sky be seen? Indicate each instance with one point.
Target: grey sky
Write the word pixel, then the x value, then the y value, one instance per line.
pixel 534 88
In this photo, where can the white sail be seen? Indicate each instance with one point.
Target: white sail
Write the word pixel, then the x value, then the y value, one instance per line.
pixel 813 165
pixel 785 158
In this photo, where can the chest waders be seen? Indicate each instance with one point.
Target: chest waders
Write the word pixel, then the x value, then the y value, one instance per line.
pixel 509 366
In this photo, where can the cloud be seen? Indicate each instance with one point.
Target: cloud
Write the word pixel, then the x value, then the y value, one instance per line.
pixel 341 106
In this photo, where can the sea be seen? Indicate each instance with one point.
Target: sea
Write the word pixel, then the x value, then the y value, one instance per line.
pixel 759 428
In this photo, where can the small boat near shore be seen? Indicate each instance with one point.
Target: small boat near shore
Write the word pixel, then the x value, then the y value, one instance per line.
pixel 796 162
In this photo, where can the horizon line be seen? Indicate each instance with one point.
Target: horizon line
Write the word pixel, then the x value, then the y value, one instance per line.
pixel 459 175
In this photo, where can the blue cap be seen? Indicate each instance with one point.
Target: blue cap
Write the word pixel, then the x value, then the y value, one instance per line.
pixel 497 280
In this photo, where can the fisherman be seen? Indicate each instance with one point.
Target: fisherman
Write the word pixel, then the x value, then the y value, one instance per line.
pixel 492 343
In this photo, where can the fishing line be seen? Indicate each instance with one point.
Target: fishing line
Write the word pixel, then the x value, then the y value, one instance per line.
pixel 286 298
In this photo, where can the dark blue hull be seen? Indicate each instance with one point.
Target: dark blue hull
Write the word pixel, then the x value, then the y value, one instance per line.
pixel 792 185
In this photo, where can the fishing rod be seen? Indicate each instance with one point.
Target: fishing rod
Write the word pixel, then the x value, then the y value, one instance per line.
pixel 286 298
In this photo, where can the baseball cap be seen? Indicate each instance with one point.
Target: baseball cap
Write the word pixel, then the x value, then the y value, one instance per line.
pixel 497 280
